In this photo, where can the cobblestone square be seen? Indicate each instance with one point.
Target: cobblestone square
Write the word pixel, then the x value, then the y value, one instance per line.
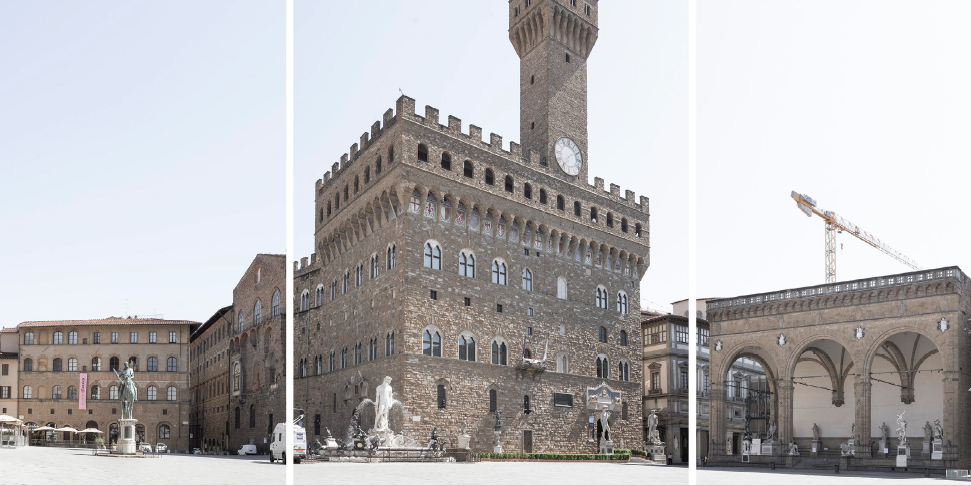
pixel 49 465
pixel 750 477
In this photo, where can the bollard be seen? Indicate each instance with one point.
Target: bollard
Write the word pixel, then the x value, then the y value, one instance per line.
pixel 773 465
pixel 927 472
pixel 837 468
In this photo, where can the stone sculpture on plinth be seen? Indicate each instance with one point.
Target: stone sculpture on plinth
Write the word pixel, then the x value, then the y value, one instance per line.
pixel 655 445
pixel 606 444
pixel 498 431
pixel 937 446
pixel 884 432
pixel 903 445
pixel 816 446
pixel 127 394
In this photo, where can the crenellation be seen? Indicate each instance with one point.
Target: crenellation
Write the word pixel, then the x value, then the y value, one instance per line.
pixel 534 157
pixel 365 140
pixel 344 161
pixel 388 116
pixel 615 190
pixel 375 129
pixel 296 265
pixel 629 197
pixel 335 168
pixel 353 151
pixel 598 184
pixel 431 116
pixel 495 141
pixel 313 258
pixel 645 204
pixel 454 124
pixel 405 106
pixel 515 150
pixel 475 133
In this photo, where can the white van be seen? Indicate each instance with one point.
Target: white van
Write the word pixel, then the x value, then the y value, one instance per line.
pixel 279 445
pixel 247 449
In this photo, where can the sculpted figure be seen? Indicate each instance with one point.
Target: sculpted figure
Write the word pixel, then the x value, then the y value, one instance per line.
pixel 884 432
pixel 384 397
pixel 127 390
pixel 902 428
pixel 938 430
pixel 604 417
pixel 815 431
pixel 652 434
pixel 928 432
pixel 772 431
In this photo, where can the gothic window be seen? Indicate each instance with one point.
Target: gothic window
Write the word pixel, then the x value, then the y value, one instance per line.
pixel 490 178
pixel 329 210
pixel 466 264
pixel 441 396
pixel 422 153
pixel 357 353
pixel 359 274
pixel 602 335
pixel 603 367
pixel 333 290
pixel 498 352
pixel 304 300
pixel 241 321
pixel 344 357
pixel 446 161
pixel 332 362
pixel 467 170
pixel 623 370
pixel 527 191
pixel 374 266
pixel 346 283
pixel 236 377
pixel 601 297
pixel 542 196
pixel 623 225
pixel 576 208
pixel 559 202
pixel 390 260
pixel 357 184
pixel 561 288
pixel 433 256
pixel 389 344
pixel 466 348
pixel 499 272
pixel 337 201
pixel 346 191
pixel 527 280
pixel 622 302
pixel 562 363
pixel 508 184
pixel 367 175
pixel 258 310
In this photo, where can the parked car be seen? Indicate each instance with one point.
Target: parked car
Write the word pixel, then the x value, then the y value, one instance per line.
pixel 145 447
pixel 160 448
pixel 197 451
pixel 247 449
pixel 278 447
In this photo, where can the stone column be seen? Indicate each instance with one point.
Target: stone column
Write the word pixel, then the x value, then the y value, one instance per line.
pixel 784 394
pixel 861 415
pixel 716 419
pixel 951 421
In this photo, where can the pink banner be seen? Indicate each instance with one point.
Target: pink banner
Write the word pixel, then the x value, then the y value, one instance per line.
pixel 83 392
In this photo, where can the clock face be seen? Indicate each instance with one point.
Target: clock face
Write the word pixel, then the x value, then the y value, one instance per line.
pixel 568 156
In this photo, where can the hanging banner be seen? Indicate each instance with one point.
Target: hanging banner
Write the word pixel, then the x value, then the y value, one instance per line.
pixel 83 391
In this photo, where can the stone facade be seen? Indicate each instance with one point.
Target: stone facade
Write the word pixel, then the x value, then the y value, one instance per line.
pixel 429 239
pixel 665 364
pixel 53 355
pixel 257 349
pixel 850 356
pixel 9 363
pixel 209 381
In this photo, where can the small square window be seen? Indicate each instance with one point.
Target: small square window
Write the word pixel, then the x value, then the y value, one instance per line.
pixel 70 411
pixel 30 411
pixel 468 301
pixel 526 251
pixel 90 411
pixel 529 311
pixel 52 411
pixel 113 411
pixel 567 57
pixel 498 307
pixel 529 331
pixel 434 295
pixel 165 411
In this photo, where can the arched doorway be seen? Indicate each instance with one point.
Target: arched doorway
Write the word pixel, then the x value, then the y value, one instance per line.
pixel 823 376
pixel 744 398
pixel 90 437
pixel 140 433
pixel 113 433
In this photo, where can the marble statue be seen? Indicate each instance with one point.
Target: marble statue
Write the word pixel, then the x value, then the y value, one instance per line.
pixel 815 431
pixel 498 426
pixel 604 417
pixel 652 434
pixel 384 396
pixel 852 430
pixel 793 449
pixel 938 430
pixel 464 427
pixel 772 431
pixel 884 432
pixel 928 432
pixel 902 428
pixel 127 390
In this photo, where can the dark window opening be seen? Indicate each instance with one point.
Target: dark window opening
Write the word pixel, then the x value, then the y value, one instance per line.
pixel 489 177
pixel 576 208
pixel 508 184
pixel 527 191
pixel 559 203
pixel 467 170
pixel 422 153
pixel 446 161
pixel 441 396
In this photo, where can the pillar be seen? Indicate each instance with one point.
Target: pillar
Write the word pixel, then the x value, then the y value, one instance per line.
pixel 784 393
pixel 716 420
pixel 861 415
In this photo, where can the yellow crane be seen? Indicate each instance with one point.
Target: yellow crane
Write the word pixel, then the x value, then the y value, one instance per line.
pixel 836 223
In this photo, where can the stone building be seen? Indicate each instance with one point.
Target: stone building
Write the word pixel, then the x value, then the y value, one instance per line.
pixel 849 357
pixel 9 363
pixel 256 351
pixel 479 279
pixel 209 381
pixel 66 378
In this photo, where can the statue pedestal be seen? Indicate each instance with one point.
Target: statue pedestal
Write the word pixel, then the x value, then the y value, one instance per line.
pixel 817 447
pixel 464 441
pixel 330 443
pixel 770 447
pixel 657 453
pixel 498 448
pixel 937 450
pixel 126 436
pixel 925 451
pixel 756 448
pixel 903 453
pixel 883 447
pixel 606 447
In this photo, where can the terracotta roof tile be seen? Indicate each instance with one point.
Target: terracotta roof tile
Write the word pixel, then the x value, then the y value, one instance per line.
pixel 109 321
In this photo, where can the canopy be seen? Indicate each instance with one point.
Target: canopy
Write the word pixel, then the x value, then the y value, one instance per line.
pixel 8 419
pixel 66 429
pixel 44 429
pixel 90 431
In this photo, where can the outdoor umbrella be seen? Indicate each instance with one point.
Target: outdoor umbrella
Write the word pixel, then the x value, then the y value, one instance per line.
pixel 90 431
pixel 44 429
pixel 8 419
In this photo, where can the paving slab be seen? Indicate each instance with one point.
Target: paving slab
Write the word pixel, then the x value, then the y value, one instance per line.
pixel 750 477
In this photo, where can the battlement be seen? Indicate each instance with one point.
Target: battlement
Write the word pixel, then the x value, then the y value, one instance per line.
pixel 405 109
pixel 305 265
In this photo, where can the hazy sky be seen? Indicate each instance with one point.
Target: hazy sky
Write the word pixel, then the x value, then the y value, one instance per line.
pixel 351 59
pixel 861 105
pixel 142 147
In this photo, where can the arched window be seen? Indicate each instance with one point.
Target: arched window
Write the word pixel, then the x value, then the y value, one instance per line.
pixel 377 167
pixel 446 161
pixel 172 365
pixel 490 178
pixel 236 377
pixel 72 337
pixel 622 302
pixel 498 352
pixel 562 363
pixel 561 288
pixel 601 297
pixel 241 321
pixel 72 392
pixel 337 201
pixel 57 364
pixel 466 348
pixel 56 392
pixel 152 363
pixel 433 256
pixel 152 393
pixel 96 392
pixel 623 338
pixel 391 257
pixel 593 215
pixel 95 364
pixel 602 336
pixel 275 304
pixel 28 338
pixel 527 191
pixel 441 396
pixel 610 220
pixel 58 337
pixel 133 362
pixel 28 392
pixel 329 210
pixel 493 401
pixel 347 191
pixel 431 343
pixel 422 153
pixel 303 368
pixel 603 367
pixel 466 264
pixel 164 432
pixel 508 184
pixel 28 364
pixel 357 184
pixel 72 364
pixel 637 230
pixel 623 224
pixel 542 196
pixel 375 266
pixel 577 211
pixel 467 170
pixel 346 283
pixel 559 202
pixel 367 175
pixel 527 280
pixel 499 272
pixel 113 363
pixel 389 344
pixel 113 392
pixel 258 310
pixel 623 370
pixel 305 300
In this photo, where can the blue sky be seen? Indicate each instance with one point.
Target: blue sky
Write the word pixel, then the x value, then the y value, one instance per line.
pixel 351 59
pixel 142 147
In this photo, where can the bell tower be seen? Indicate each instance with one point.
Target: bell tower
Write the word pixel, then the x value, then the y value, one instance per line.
pixel 553 39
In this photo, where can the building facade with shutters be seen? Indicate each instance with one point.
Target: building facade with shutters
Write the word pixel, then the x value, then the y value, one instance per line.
pixel 209 381
pixel 66 376
pixel 9 364
pixel 479 279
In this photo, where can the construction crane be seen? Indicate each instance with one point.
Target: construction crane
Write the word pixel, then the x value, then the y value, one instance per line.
pixel 836 223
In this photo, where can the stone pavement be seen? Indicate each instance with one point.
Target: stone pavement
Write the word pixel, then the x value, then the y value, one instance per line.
pixel 55 465
pixel 532 473
pixel 798 477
